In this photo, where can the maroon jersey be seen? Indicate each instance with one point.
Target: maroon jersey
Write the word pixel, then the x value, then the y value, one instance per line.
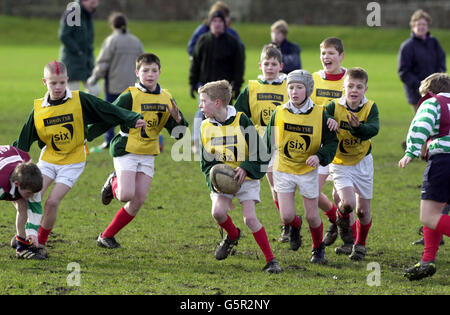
pixel 9 158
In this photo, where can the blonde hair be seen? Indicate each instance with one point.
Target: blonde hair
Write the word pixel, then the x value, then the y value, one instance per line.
pixel 271 51
pixel 28 175
pixel 280 26
pixel 55 67
pixel 435 83
pixel 217 90
pixel 419 14
pixel 333 42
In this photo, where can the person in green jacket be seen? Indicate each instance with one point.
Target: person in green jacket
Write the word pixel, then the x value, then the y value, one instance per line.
pixel 58 122
pixel 229 137
pixel 77 49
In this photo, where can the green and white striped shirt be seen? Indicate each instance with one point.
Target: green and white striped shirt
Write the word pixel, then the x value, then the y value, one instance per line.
pixel 424 125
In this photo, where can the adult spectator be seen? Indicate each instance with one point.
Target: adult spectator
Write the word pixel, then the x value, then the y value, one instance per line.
pixel 77 50
pixel 116 63
pixel 289 50
pixel 419 56
pixel 204 27
pixel 217 56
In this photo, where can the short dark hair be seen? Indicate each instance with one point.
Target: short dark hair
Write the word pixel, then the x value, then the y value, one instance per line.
pixel 28 175
pixel 333 42
pixel 357 73
pixel 148 58
pixel 118 21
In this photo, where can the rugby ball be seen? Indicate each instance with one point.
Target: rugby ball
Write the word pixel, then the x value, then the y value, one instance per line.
pixel 222 177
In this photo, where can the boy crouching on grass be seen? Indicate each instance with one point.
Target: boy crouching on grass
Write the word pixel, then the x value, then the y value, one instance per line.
pixel 431 125
pixel 21 183
pixel 303 141
pixel 59 122
pixel 352 167
pixel 134 150
pixel 230 137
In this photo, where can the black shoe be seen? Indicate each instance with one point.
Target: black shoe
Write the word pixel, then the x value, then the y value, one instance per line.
pixel 107 242
pixel 295 239
pixel 107 193
pixel 344 249
pixel 331 234
pixel 225 247
pixel 30 253
pixel 273 266
pixel 420 270
pixel 318 255
pixel 358 252
pixel 284 237
pixel 13 242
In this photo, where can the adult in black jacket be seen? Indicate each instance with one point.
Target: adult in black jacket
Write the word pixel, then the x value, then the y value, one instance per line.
pixel 217 56
pixel 419 56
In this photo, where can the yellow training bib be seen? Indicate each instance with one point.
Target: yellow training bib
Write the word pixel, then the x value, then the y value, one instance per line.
pixel 61 128
pixel 351 149
pixel 263 99
pixel 225 143
pixel 325 90
pixel 297 137
pixel 155 109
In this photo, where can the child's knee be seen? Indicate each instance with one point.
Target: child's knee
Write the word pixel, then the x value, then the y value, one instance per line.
pixel 346 207
pixel 51 204
pixel 252 223
pixel 124 195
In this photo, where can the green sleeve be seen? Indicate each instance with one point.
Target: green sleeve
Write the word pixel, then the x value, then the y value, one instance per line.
pixel 257 161
pixel 329 109
pixel 242 103
pixel 28 135
pixel 329 143
pixel 101 115
pixel 370 128
pixel 268 135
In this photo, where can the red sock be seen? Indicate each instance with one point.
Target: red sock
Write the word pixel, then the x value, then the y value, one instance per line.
pixel 230 228
pixel 354 230
pixel 277 205
pixel 432 239
pixel 114 186
pixel 443 225
pixel 317 234
pixel 296 222
pixel 363 231
pixel 331 214
pixel 121 219
pixel 43 235
pixel 263 243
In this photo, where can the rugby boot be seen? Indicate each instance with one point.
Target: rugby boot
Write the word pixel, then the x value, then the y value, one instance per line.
pixel 420 270
pixel 318 255
pixel 225 247
pixel 331 234
pixel 284 237
pixel 107 242
pixel 273 266
pixel 358 252
pixel 107 193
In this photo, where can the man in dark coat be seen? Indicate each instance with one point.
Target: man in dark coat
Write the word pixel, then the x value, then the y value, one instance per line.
pixel 77 50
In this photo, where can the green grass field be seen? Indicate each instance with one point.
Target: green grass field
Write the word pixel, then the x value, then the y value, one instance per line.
pixel 169 247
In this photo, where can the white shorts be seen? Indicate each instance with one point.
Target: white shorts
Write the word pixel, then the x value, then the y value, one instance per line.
pixel 307 184
pixel 137 163
pixel 324 170
pixel 64 174
pixel 249 191
pixel 359 176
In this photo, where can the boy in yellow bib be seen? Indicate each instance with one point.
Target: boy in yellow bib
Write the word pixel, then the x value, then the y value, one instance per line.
pixel 352 167
pixel 299 132
pixel 230 137
pixel 134 150
pixel 329 85
pixel 258 101
pixel 59 123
